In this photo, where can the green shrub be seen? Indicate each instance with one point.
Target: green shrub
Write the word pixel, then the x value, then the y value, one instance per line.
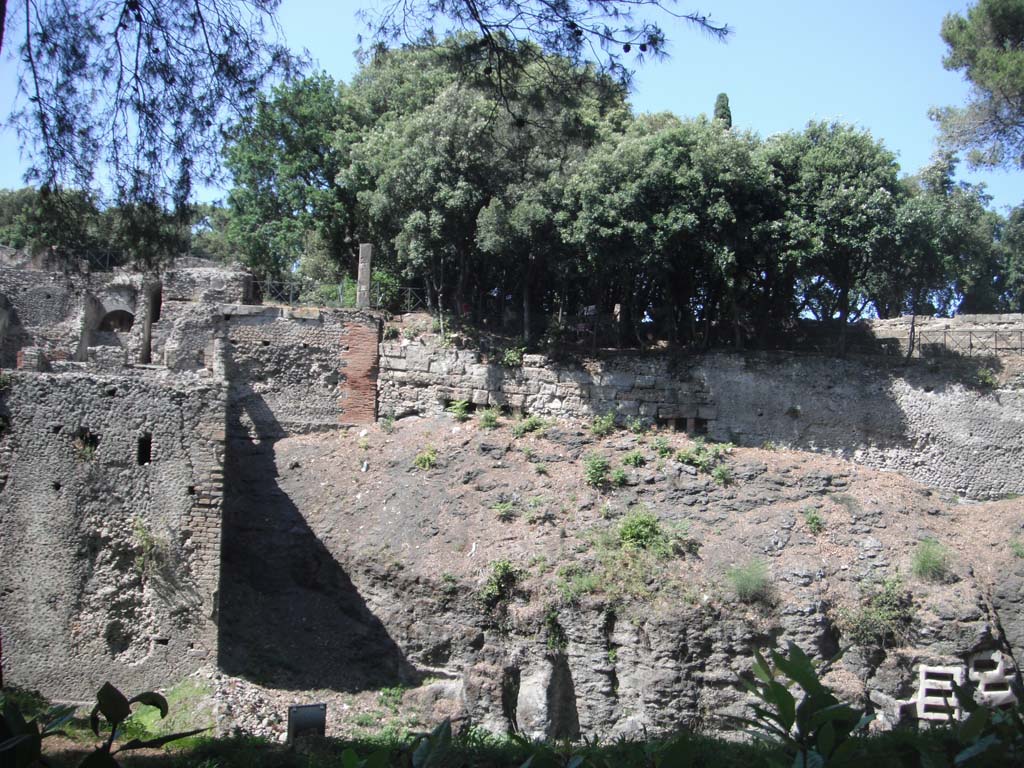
pixel 574 582
pixel 769 445
pixel 501 583
pixel 638 425
pixel 506 510
pixel 817 731
pixel 5 381
pixel 814 521
pixel 426 460
pixel 634 459
pixel 640 529
pixel 390 332
pixel 751 582
pixel 595 470
pixel 541 469
pixel 555 636
pixel 987 378
pixel 489 418
pixel 931 561
pixel 459 409
pixel 529 424
pixel 602 426
pixel 662 447
pixel 722 475
pixel 618 477
pixel 512 357
pixel 1017 547
pixel 883 617
pixel 387 423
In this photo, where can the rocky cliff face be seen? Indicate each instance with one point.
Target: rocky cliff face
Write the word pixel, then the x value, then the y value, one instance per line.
pixel 500 586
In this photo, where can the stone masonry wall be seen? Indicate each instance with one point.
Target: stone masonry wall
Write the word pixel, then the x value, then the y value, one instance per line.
pixel 932 422
pixel 299 370
pixel 110 501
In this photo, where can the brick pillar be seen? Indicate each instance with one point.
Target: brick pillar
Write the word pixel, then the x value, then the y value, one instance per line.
pixel 357 397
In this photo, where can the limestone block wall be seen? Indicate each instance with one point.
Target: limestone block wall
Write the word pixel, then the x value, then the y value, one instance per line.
pixel 931 422
pixel 995 334
pixel 422 378
pixel 110 512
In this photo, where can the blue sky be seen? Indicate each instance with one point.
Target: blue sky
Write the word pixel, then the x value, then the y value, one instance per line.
pixel 872 63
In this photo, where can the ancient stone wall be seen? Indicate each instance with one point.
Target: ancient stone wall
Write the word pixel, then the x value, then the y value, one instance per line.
pixel 933 422
pixel 110 512
pixel 299 370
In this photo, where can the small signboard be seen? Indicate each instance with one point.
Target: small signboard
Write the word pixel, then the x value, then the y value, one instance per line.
pixel 306 719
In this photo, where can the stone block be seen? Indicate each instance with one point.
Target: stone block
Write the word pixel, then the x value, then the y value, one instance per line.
pixel 302 313
pixel 480 397
pixel 993 673
pixel 534 361
pixel 936 700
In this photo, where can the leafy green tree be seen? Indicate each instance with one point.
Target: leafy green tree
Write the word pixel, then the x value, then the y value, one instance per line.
pixel 722 111
pixel 847 198
pixel 669 216
pixel 284 161
pixel 1011 245
pixel 987 45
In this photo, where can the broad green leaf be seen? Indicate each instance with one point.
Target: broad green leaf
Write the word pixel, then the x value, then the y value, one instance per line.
pixel 12 742
pixel 785 704
pixel 761 669
pixel 113 704
pixel 826 739
pixel 379 759
pixel 152 699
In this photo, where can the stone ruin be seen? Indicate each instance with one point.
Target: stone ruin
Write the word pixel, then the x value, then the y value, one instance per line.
pixel 124 392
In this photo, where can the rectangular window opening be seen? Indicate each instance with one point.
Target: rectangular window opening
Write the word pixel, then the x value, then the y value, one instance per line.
pixel 145 451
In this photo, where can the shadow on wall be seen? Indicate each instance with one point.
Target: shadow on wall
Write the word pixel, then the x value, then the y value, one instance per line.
pixel 290 616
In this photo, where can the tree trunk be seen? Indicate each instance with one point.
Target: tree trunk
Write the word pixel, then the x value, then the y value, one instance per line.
pixel 3 22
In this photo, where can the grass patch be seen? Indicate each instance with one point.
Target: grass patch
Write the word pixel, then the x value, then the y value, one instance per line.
pixel 574 582
pixel 1017 547
pixel 751 582
pixel 662 447
pixel 932 562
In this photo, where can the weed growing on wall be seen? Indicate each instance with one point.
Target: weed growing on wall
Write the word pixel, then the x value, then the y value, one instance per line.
pixel 554 633
pixel 1017 547
pixel 638 425
pixel 501 583
pixel 931 562
pixel 883 617
pixel 662 447
pixel 512 357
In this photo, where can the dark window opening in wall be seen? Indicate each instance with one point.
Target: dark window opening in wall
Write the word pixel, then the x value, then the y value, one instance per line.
pixel 145 452
pixel 675 425
pixel 119 320
pixel 700 427
pixel 155 303
pixel 191 490
pixel 161 640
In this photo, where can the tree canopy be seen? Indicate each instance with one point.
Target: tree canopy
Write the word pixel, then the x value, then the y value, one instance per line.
pixel 987 45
